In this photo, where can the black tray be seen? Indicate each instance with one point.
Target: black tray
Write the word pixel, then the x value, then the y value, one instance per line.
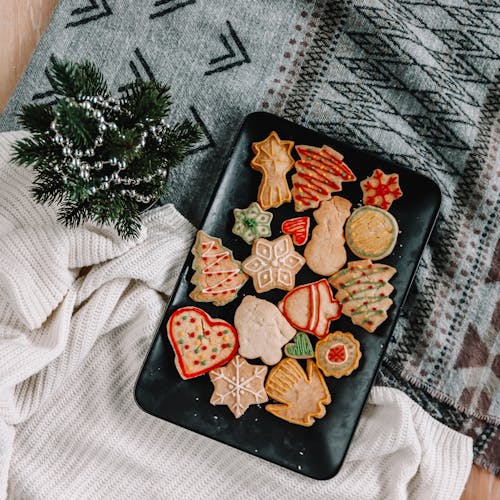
pixel 316 451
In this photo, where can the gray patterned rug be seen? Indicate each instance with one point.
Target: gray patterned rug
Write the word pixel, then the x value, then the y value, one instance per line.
pixel 413 80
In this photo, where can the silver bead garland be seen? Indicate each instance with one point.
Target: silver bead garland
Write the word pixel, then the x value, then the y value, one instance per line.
pixel 78 161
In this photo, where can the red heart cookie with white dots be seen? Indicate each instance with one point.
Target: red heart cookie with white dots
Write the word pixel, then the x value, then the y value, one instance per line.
pixel 200 342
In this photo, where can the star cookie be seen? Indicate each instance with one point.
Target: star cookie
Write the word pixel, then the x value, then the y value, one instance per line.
pixel 252 223
pixel 238 385
pixel 273 264
pixel 273 158
pixel 381 189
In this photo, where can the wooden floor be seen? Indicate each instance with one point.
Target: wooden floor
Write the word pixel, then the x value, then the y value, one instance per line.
pixel 22 22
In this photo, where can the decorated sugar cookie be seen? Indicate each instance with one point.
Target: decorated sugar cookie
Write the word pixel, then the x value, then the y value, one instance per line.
pixel 371 233
pixel 320 172
pixel 218 275
pixel 311 307
pixel 252 223
pixel 273 264
pixel 273 158
pixel 262 330
pixel 200 342
pixel 338 354
pixel 302 396
pixel 239 385
pixel 381 189
pixel 325 252
pixel 300 348
pixel 297 228
pixel 363 292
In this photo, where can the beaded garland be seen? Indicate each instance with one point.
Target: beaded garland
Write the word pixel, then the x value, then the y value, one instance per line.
pixel 80 162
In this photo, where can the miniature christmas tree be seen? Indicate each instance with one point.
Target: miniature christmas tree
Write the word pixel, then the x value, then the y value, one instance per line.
pixel 101 158
pixel 218 275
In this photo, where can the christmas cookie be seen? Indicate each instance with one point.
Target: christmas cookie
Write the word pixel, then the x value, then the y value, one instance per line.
pixel 325 252
pixel 371 233
pixel 238 385
pixel 273 264
pixel 320 172
pixel 252 223
pixel 262 330
pixel 273 158
pixel 311 307
pixel 363 292
pixel 302 396
pixel 338 354
pixel 297 228
pixel 381 189
pixel 218 275
pixel 200 343
pixel 300 348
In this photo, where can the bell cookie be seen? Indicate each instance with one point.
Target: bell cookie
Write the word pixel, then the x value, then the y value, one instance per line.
pixel 273 264
pixel 325 252
pixel 297 228
pixel 200 343
pixel 302 396
pixel 371 233
pixel 300 348
pixel 311 307
pixel 262 330
pixel 320 172
pixel 218 275
pixel 363 292
pixel 238 385
pixel 338 354
pixel 252 223
pixel 273 158
pixel 381 189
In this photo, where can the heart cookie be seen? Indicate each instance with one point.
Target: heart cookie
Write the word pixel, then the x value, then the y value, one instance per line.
pixel 200 342
pixel 297 228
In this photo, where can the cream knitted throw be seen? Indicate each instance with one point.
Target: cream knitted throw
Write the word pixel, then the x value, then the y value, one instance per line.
pixel 72 343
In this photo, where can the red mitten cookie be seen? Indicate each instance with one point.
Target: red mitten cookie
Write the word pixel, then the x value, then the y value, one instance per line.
pixel 310 308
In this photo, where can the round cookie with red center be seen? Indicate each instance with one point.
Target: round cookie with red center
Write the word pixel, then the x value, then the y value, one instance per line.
pixel 338 354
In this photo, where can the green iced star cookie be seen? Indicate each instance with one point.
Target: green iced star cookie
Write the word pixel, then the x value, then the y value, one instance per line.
pixel 252 223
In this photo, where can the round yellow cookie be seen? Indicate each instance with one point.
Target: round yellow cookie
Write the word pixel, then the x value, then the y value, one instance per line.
pixel 371 233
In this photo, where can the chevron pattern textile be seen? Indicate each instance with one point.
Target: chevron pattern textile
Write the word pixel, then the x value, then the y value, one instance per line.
pixel 416 81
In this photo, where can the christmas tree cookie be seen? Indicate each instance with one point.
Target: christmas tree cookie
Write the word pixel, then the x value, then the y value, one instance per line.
pixel 363 292
pixel 252 223
pixel 218 275
pixel 320 172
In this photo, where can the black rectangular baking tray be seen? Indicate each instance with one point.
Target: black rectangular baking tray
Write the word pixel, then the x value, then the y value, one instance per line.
pixel 316 451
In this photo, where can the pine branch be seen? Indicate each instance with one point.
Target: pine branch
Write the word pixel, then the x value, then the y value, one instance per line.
pixel 36 117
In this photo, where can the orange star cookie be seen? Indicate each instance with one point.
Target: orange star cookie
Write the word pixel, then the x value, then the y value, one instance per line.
pixel 273 158
pixel 381 189
pixel 238 385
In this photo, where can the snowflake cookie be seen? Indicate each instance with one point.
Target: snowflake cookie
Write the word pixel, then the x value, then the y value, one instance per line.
pixel 273 264
pixel 238 385
pixel 252 223
pixel 381 189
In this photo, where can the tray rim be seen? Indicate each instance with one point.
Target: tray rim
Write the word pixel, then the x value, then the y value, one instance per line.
pixel 327 140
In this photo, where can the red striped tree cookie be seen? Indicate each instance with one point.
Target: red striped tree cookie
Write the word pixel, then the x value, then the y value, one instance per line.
pixel 320 172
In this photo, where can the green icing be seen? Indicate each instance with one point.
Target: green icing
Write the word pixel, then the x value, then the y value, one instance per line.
pixel 300 348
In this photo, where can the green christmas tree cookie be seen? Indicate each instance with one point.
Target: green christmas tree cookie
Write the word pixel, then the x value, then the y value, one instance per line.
pixel 252 223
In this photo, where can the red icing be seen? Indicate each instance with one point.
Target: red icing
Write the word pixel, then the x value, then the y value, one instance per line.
pixel 207 322
pixel 387 189
pixel 318 320
pixel 297 228
pixel 337 353
pixel 319 173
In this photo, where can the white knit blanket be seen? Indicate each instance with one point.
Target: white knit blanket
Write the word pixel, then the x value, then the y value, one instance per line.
pixel 72 341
